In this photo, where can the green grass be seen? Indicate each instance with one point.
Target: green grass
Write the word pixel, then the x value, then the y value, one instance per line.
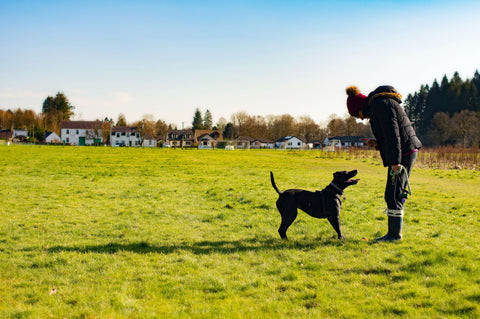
pixel 151 233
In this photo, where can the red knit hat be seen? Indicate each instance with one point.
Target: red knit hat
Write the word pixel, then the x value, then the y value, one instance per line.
pixel 355 101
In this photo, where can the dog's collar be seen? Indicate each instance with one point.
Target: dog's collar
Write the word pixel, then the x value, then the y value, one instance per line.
pixel 338 189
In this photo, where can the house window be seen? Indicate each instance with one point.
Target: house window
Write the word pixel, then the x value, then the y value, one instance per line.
pixel 76 132
pixel 298 143
pixel 113 133
pixel 118 134
pixel 68 140
pixel 68 132
pixel 128 134
pixel 123 133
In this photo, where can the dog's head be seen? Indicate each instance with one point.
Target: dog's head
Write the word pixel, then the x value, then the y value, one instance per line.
pixel 342 179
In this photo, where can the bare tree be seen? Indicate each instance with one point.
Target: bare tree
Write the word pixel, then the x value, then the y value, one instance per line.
pixel 106 128
pixel 465 127
pixel 222 122
pixel 146 127
pixel 336 126
pixel 441 130
pixel 307 128
pixel 283 125
pixel 238 120
pixel 161 128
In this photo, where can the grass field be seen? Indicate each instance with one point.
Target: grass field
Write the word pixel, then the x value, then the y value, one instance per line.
pixel 149 233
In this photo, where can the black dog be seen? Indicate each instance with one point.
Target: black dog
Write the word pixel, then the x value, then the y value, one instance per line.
pixel 319 204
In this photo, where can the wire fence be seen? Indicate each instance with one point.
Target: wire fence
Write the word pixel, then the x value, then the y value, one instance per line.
pixel 444 157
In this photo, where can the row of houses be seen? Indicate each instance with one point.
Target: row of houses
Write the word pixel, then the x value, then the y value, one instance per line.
pixel 208 139
pixel 84 133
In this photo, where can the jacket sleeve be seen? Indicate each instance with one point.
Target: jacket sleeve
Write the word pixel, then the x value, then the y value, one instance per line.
pixel 388 123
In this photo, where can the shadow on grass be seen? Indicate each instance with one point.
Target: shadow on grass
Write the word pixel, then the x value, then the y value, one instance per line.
pixel 201 247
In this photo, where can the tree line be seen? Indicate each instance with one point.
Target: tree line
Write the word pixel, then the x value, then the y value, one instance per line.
pixel 442 114
pixel 447 113
pixel 58 108
pixel 274 127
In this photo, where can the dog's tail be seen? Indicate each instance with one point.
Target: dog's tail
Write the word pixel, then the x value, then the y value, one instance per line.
pixel 273 183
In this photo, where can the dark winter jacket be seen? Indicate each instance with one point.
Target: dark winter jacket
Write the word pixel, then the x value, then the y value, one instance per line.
pixel 390 125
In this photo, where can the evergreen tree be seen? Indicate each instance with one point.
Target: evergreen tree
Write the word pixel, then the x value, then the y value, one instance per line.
pixel 476 80
pixel 197 123
pixel 445 93
pixel 432 103
pixel 229 129
pixel 207 120
pixel 415 105
pixel 454 94
pixel 431 108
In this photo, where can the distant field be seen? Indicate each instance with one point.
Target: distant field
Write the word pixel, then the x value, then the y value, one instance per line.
pixel 105 232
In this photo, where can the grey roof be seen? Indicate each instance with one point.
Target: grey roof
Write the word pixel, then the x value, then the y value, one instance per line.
pixel 81 125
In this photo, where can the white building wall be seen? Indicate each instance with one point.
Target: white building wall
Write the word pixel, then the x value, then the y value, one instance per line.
pixel 292 143
pixel 149 143
pixel 129 139
pixel 72 136
pixel 53 138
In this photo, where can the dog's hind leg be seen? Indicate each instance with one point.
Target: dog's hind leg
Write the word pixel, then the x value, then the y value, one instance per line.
pixel 335 222
pixel 289 214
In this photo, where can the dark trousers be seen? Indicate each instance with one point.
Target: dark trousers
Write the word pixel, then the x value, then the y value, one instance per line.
pixel 394 188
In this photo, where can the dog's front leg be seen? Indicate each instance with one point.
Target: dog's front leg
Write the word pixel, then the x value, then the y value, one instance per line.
pixel 335 222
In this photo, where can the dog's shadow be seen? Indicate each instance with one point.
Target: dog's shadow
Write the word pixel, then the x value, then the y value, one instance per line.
pixel 201 247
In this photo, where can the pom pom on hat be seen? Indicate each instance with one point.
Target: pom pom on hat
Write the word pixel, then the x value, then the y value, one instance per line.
pixel 356 101
pixel 352 90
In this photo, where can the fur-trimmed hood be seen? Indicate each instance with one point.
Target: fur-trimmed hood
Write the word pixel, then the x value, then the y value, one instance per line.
pixel 384 91
pixel 393 139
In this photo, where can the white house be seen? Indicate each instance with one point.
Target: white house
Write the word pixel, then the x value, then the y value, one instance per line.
pixel 346 141
pixel 244 142
pixel 130 136
pixel 206 142
pixel 263 143
pixel 124 136
pixel 81 132
pixel 290 142
pixel 149 141
pixel 52 137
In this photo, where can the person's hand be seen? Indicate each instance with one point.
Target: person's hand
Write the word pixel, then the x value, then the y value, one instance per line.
pixel 396 168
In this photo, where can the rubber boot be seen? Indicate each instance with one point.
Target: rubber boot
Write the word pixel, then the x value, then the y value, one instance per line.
pixel 395 225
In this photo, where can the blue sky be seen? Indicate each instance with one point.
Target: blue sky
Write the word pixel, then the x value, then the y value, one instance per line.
pixel 166 58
